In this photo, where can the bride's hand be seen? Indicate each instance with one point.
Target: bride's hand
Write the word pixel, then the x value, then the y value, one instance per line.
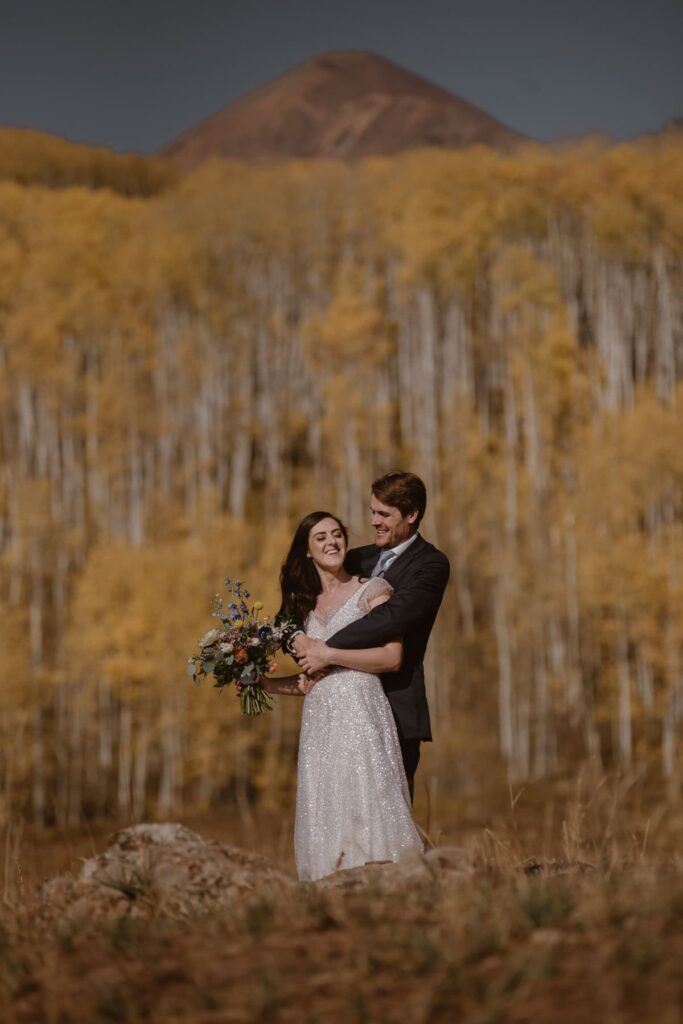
pixel 305 684
pixel 316 657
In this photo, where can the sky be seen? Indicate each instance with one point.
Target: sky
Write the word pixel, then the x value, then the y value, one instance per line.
pixel 133 75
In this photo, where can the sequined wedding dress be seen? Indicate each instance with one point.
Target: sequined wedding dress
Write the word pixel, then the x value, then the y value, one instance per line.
pixel 352 803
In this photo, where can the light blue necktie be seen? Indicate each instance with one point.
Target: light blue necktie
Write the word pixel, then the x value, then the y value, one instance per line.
pixel 382 563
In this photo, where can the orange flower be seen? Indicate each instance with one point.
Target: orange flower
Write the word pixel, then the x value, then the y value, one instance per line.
pixel 240 654
pixel 272 667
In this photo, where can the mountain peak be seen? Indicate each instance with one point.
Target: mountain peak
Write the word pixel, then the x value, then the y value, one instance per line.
pixel 341 103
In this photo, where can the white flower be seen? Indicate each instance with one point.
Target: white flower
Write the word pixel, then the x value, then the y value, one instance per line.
pixel 254 642
pixel 226 648
pixel 209 637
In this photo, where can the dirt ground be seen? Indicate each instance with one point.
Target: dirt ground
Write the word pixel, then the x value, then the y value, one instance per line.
pixel 560 907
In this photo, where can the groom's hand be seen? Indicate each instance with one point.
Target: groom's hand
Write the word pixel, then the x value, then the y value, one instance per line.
pixel 300 645
pixel 315 657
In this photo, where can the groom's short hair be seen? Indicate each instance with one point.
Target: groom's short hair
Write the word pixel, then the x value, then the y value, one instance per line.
pixel 404 491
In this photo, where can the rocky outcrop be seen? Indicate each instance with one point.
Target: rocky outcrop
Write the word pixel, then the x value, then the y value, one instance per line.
pixel 413 869
pixel 169 870
pixel 155 869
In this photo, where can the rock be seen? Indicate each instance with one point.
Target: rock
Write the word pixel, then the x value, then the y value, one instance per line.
pixel 378 874
pixel 67 901
pixel 167 869
pixel 557 867
pixel 413 869
pixel 153 869
pixel 450 858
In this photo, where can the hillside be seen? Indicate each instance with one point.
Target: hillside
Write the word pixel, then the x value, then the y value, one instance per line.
pixel 39 158
pixel 345 104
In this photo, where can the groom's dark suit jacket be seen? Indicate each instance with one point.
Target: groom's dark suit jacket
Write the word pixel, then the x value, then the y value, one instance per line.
pixel 419 577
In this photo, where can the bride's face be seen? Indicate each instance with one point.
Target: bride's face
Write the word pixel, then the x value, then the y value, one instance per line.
pixel 326 545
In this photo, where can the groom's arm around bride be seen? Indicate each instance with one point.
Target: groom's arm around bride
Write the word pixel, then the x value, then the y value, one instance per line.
pixel 417 596
pixel 419 578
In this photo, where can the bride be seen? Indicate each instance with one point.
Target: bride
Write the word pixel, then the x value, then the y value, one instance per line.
pixel 352 802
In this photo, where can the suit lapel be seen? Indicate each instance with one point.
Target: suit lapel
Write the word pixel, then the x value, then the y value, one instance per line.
pixel 369 560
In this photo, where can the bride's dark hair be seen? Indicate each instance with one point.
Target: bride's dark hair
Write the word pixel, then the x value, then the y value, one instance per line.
pixel 299 580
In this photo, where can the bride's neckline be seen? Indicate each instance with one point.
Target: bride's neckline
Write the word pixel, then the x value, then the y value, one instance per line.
pixel 326 616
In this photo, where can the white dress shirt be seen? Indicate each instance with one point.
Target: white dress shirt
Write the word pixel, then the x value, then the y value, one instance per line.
pixel 396 552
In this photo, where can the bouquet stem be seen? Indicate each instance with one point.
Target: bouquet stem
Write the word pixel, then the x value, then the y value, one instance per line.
pixel 254 699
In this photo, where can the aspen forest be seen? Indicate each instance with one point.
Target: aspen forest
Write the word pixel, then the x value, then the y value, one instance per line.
pixel 190 363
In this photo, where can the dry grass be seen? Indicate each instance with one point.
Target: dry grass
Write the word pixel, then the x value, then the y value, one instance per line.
pixel 574 912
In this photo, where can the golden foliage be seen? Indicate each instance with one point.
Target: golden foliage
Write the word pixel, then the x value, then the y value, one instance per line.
pixel 183 376
pixel 30 157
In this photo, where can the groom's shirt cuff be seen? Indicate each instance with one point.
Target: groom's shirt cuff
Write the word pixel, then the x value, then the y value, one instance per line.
pixel 288 642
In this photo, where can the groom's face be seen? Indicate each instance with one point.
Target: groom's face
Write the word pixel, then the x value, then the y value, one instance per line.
pixel 390 525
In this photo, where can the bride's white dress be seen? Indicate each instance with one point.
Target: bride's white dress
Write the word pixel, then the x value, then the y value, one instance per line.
pixel 352 803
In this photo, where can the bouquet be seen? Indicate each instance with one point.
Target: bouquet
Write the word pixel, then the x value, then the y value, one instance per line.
pixel 241 651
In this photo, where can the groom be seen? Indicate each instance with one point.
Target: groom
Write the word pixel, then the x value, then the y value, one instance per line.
pixel 418 572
